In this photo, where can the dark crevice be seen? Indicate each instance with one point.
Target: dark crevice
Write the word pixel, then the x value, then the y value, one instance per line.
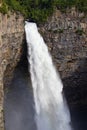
pixel 23 63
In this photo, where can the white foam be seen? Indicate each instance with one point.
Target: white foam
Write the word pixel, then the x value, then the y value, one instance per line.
pixel 51 110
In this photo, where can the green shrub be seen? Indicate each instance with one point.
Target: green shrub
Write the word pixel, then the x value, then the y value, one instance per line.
pixel 40 10
pixel 4 8
pixel 79 31
pixel 82 5
pixel 61 30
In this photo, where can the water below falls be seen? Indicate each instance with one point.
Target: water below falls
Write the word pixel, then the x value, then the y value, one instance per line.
pixel 51 111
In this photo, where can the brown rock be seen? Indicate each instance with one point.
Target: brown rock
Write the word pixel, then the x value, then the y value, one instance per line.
pixel 11 36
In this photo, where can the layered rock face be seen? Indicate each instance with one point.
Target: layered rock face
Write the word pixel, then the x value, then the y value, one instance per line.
pixel 11 39
pixel 66 36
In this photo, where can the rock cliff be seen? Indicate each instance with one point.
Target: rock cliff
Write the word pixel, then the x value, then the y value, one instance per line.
pixel 66 37
pixel 11 39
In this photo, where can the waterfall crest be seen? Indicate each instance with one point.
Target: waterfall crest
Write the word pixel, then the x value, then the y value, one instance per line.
pixel 51 109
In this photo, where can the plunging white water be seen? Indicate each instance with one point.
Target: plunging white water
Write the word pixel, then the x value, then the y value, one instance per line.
pixel 51 110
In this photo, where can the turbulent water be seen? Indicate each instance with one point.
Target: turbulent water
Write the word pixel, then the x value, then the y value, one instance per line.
pixel 50 106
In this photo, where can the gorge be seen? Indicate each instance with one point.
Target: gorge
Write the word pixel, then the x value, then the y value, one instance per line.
pixel 65 36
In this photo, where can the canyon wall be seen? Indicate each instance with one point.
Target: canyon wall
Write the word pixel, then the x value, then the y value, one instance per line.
pixel 11 39
pixel 66 37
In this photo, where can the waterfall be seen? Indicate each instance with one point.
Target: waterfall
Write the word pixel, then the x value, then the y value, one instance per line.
pixel 50 107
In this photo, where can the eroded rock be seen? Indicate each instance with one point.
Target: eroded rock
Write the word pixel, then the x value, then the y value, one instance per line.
pixel 11 40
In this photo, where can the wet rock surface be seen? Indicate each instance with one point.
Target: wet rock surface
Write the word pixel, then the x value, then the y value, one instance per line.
pixel 75 89
pixel 75 86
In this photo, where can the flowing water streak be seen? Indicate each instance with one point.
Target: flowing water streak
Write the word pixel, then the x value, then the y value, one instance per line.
pixel 51 110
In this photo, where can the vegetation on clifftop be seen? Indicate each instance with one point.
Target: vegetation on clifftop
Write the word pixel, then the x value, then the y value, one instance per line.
pixel 40 10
